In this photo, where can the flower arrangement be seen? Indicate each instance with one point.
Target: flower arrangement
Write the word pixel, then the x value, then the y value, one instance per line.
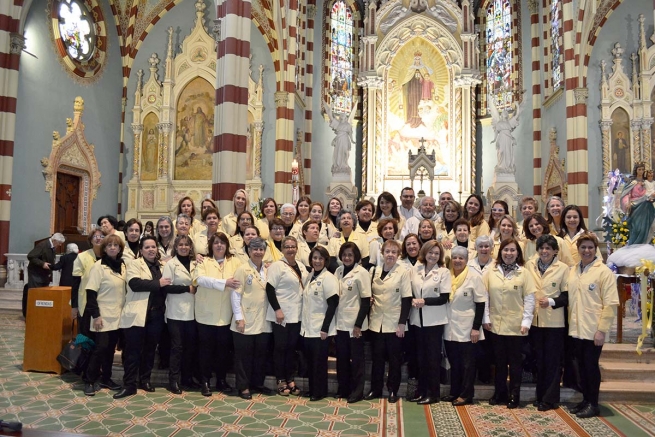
pixel 616 229
pixel 647 272
pixel 257 208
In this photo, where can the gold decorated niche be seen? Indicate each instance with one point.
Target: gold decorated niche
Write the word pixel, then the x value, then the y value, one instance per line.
pixel 554 183
pixel 72 154
pixel 173 127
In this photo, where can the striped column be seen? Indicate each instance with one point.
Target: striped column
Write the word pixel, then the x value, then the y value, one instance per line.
pixel 10 49
pixel 536 98
pixel 577 156
pixel 309 94
pixel 231 111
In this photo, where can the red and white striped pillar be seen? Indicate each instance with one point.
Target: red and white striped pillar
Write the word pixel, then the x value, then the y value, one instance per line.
pixel 536 98
pixel 231 110
pixel 309 93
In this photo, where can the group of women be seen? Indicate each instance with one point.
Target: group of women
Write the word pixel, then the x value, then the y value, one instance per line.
pixel 307 272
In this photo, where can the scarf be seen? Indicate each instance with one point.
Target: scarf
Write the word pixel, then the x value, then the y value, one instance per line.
pixel 364 225
pixel 543 267
pixel 508 268
pixel 135 248
pixel 114 264
pixel 458 280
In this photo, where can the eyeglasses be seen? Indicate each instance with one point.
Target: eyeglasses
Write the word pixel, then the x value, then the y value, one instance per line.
pixel 277 228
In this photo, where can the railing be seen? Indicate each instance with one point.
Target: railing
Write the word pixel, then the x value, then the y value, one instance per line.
pixel 17 264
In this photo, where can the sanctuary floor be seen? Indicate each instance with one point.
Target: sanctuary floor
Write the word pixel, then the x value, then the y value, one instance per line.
pixel 49 402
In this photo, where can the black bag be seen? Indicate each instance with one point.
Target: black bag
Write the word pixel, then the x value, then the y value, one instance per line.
pixel 73 357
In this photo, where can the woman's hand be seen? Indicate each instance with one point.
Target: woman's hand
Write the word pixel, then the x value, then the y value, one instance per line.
pixel 324 335
pixel 241 326
pixel 232 283
pixel 418 303
pixel 446 243
pixel 357 332
pixel 524 330
pixel 599 338
pixel 543 302
pixel 279 316
pixel 192 289
pixel 163 282
pixel 475 335
pixel 487 326
pixel 400 331
pixel 199 259
pixel 97 324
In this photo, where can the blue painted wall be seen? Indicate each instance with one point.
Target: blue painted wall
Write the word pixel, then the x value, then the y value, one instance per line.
pixel 45 99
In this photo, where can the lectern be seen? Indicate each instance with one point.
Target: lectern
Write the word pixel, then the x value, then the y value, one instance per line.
pixel 48 328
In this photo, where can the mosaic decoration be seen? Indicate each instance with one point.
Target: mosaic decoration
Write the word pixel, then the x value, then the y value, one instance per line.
pixel 555 45
pixel 76 29
pixel 499 53
pixel 341 57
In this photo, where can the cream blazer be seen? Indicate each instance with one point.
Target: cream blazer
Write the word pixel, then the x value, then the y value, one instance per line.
pixel 593 300
pixel 496 247
pixel 336 243
pixel 314 303
pixel 136 302
pixel 571 244
pixel 473 264
pixel 426 285
pixel 272 253
pixel 387 298
pixel 372 232
pixel 169 251
pixel 550 285
pixel 213 306
pixel 229 223
pixel 238 248
pixel 506 298
pixel 375 252
pixel 353 287
pixel 564 254
pixel 179 306
pixel 81 267
pixel 288 290
pixel 478 231
pixel 128 254
pixel 302 255
pixel 262 225
pixel 110 287
pixel 253 300
pixel 461 308
pixel 196 226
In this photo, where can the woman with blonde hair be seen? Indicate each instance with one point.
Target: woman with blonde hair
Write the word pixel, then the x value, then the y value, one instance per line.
pixel 240 204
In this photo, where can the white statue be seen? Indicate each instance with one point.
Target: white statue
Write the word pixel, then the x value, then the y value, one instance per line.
pixel 440 12
pixel 342 127
pixel 397 12
pixel 503 126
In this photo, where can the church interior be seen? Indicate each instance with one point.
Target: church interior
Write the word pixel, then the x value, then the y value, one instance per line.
pixel 125 107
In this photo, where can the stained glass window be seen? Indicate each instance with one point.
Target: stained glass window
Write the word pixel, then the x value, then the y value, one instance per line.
pixel 555 46
pixel 341 57
pixel 77 29
pixel 499 53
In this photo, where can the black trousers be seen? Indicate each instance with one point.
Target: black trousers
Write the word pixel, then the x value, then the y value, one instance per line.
pixel 386 346
pixel 507 353
pixel 428 352
pixel 250 353
pixel 350 364
pixel 32 283
pixel 84 324
pixel 484 357
pixel 285 339
pixel 102 356
pixel 214 350
pixel 140 347
pixel 461 356
pixel 184 349
pixel 587 355
pixel 316 351
pixel 411 353
pixel 548 348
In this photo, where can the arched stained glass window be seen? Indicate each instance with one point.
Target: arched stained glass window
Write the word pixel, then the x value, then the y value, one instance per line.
pixel 341 57
pixel 499 53
pixel 555 46
pixel 77 29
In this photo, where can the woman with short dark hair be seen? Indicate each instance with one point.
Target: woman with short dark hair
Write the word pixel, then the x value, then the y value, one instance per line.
pixel 133 231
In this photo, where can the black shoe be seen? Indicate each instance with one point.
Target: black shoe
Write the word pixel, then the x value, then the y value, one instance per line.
pixel 513 402
pixel 190 384
pixel 90 389
pixel 428 400
pixel 245 395
pixel 339 396
pixel 111 385
pixel 393 397
pixel 355 399
pixel 536 403
pixel 316 398
pixel 448 398
pixel 147 387
pixel 588 411
pixel 125 392
pixel 497 400
pixel 205 390
pixel 223 386
pixel 417 397
pixel 263 390
pixel 460 402
pixel 578 407
pixel 372 395
pixel 174 388
pixel 546 406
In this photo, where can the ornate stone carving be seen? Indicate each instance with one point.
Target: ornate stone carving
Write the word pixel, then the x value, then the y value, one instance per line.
pixel 17 43
pixel 281 99
pixel 581 95
pixel 533 6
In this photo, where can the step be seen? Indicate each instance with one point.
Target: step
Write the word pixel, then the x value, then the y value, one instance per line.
pixel 628 352
pixel 612 371
pixel 626 391
pixel 11 299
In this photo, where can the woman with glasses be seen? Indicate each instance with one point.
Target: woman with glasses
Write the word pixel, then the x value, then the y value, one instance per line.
pixel 274 242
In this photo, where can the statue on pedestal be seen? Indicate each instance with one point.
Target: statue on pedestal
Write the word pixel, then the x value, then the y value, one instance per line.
pixel 342 127
pixel 503 126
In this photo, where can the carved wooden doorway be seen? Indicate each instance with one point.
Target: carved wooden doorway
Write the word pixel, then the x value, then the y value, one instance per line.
pixel 67 199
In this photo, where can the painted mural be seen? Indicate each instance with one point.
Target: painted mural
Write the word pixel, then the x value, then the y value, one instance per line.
pixel 418 107
pixel 195 131
pixel 620 141
pixel 150 148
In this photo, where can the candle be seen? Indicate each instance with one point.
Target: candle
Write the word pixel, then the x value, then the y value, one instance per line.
pixel 294 165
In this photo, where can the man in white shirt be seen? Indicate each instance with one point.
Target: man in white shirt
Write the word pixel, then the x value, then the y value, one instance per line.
pixel 406 208
pixel 427 209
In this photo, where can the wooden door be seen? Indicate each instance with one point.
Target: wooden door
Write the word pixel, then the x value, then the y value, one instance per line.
pixel 66 201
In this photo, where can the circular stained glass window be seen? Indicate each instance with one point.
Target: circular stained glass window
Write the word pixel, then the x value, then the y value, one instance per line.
pixel 76 29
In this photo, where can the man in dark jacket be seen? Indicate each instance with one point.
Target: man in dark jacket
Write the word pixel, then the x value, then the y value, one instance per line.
pixel 41 260
pixel 65 264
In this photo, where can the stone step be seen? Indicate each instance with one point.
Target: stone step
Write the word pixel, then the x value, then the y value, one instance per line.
pixel 627 391
pixel 628 352
pixel 613 371
pixel 11 299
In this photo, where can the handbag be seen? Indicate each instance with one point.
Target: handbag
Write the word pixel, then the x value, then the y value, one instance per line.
pixel 74 356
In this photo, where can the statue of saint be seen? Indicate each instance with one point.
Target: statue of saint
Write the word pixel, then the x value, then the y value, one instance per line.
pixel 342 127
pixel 503 126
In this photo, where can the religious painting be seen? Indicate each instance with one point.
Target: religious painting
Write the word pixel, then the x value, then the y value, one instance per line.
pixel 419 98
pixel 341 57
pixel 249 143
pixel 150 148
pixel 195 131
pixel 620 142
